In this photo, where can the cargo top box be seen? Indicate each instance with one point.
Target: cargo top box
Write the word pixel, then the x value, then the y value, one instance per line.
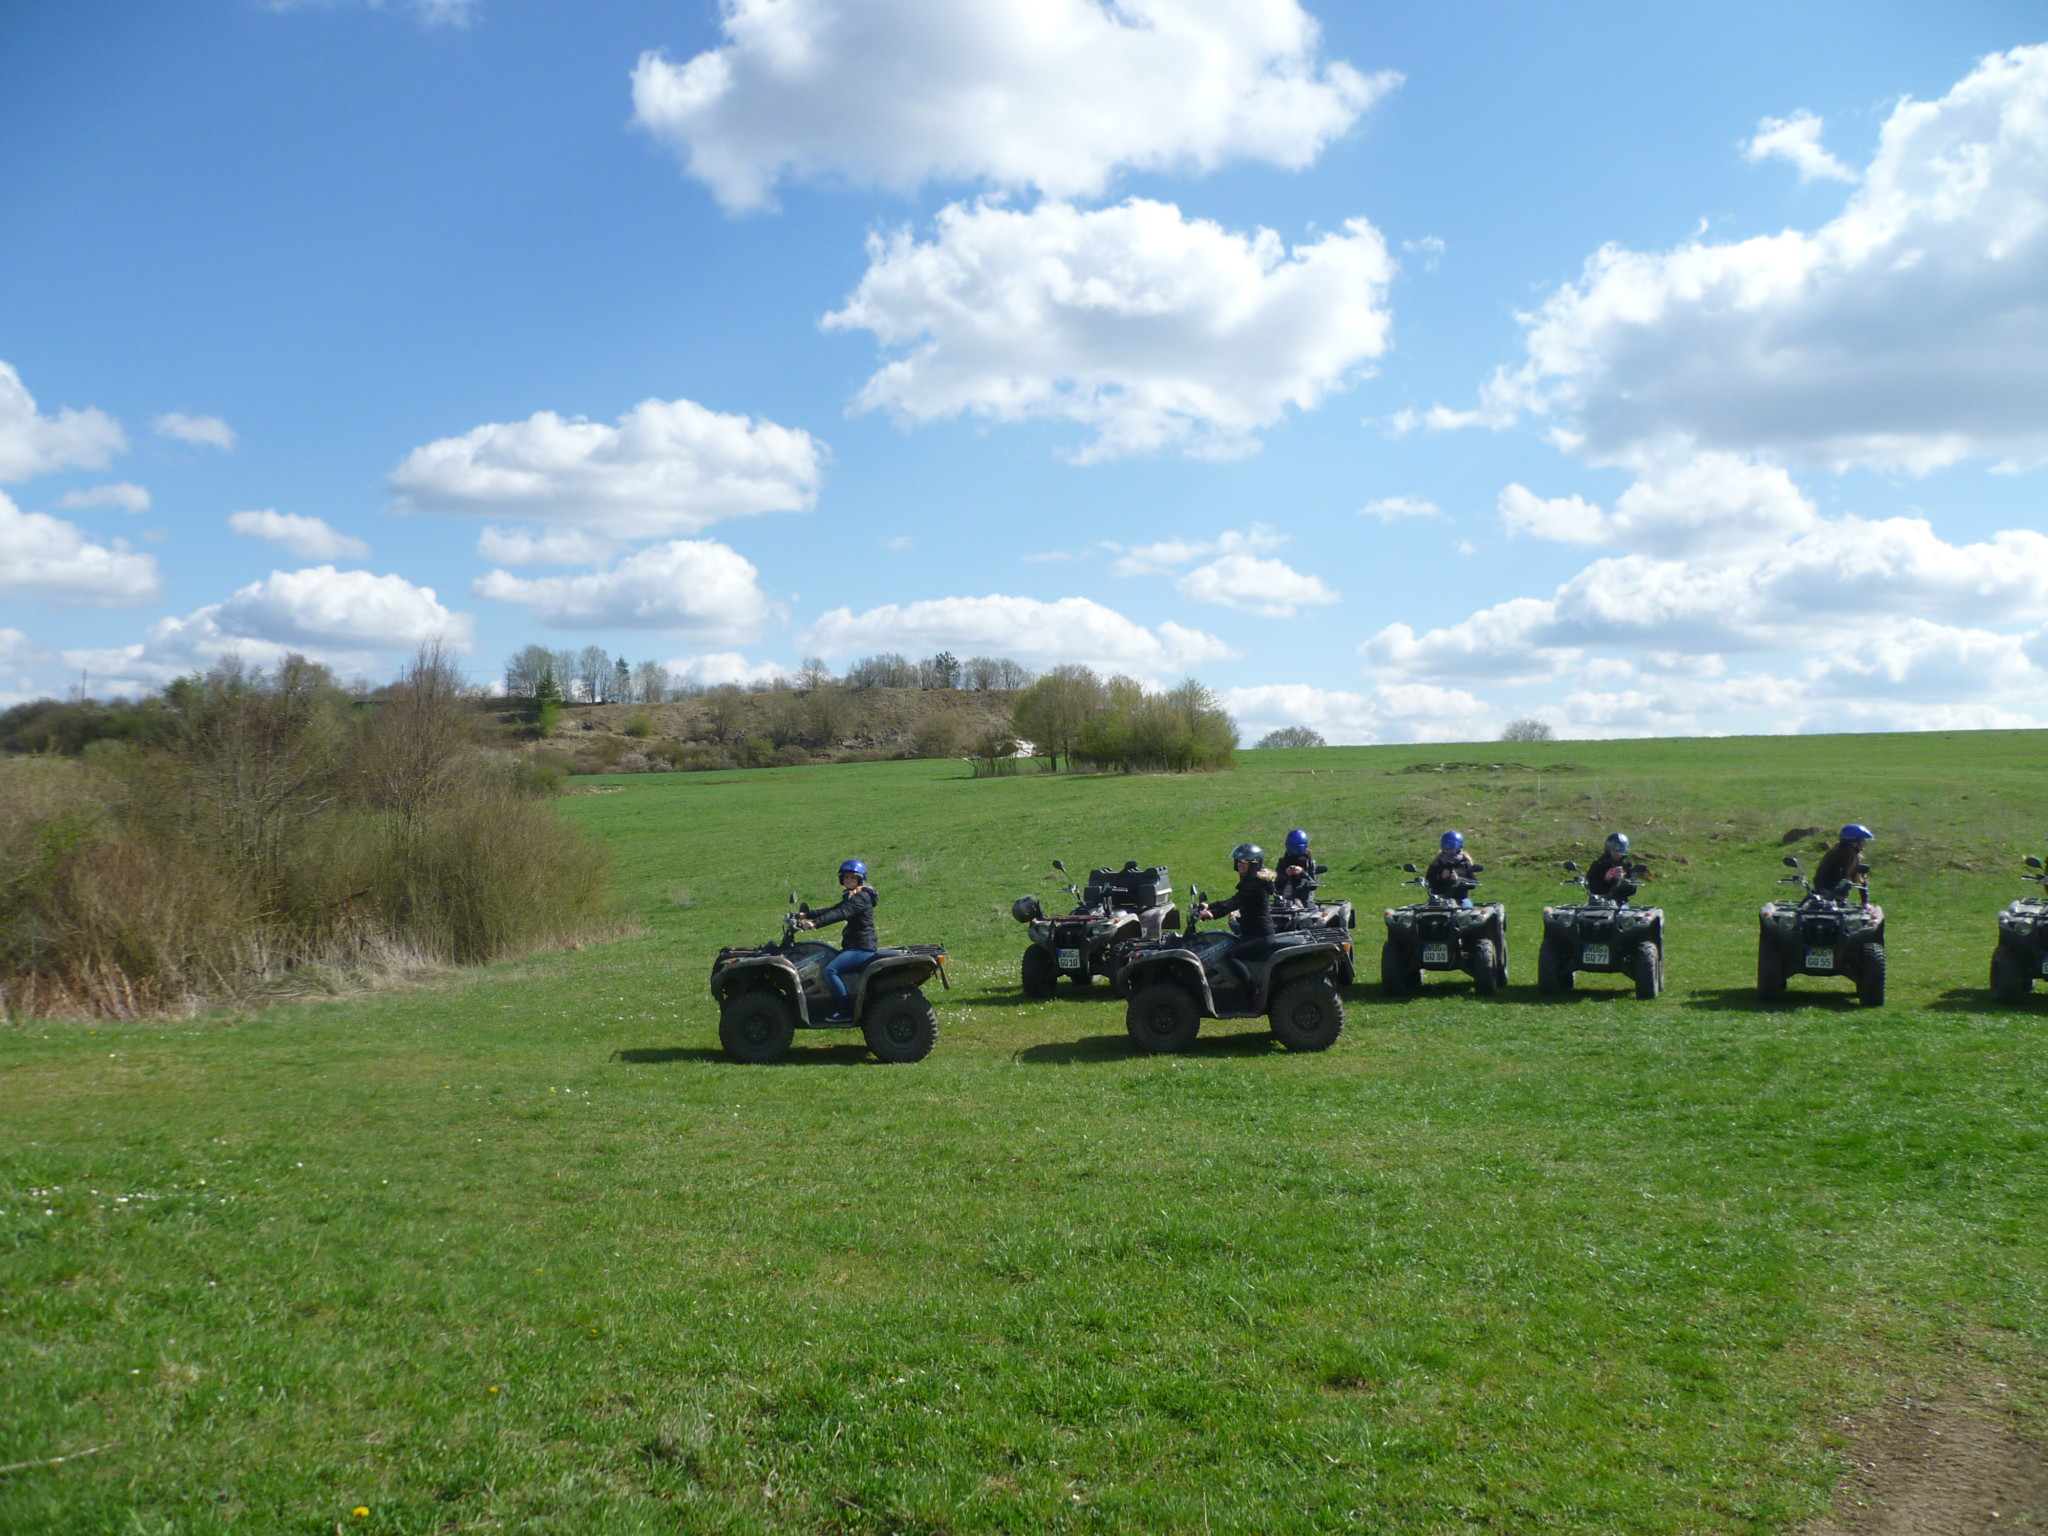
pixel 1131 889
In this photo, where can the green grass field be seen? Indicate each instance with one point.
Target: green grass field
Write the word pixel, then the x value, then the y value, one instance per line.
pixel 524 1253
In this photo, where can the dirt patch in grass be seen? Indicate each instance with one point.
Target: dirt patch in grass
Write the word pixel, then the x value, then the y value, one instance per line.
pixel 1938 1469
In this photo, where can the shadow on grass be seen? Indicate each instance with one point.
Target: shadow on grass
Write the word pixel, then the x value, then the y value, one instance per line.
pixel 1745 1000
pixel 800 1055
pixel 1977 1000
pixel 1095 1048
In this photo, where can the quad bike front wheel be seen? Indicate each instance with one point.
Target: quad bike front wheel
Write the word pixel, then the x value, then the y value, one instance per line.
pixel 1770 971
pixel 1163 1017
pixel 1647 966
pixel 1486 968
pixel 1870 979
pixel 1553 967
pixel 2010 979
pixel 756 1026
pixel 1396 975
pixel 1308 1015
pixel 902 1027
pixel 1039 975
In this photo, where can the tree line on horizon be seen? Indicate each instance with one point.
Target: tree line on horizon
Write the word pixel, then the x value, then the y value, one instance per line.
pixel 593 675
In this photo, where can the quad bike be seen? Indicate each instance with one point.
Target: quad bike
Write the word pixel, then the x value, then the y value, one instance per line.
pixel 1303 912
pixel 1175 983
pixel 766 993
pixel 1445 934
pixel 2022 952
pixel 1119 907
pixel 1820 936
pixel 1604 933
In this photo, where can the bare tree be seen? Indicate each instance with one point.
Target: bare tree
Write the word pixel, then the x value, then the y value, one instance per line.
pixel 725 708
pixel 1010 674
pixel 1528 728
pixel 421 735
pixel 652 683
pixel 812 672
pixel 593 673
pixel 1052 711
pixel 527 671
pixel 1292 736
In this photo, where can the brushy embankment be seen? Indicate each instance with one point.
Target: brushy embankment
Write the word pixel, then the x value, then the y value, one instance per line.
pixel 276 831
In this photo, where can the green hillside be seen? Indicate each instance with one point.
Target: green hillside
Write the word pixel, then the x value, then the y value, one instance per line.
pixel 524 1252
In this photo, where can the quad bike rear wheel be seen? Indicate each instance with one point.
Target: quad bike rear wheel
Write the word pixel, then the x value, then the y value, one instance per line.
pixel 1039 975
pixel 1770 971
pixel 1553 967
pixel 1308 1015
pixel 756 1026
pixel 1870 980
pixel 1486 968
pixel 1647 966
pixel 2010 979
pixel 902 1026
pixel 1163 1016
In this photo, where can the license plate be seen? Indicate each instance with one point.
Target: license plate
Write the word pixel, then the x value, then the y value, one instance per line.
pixel 1820 959
pixel 1594 954
pixel 1070 959
pixel 2044 967
pixel 1436 954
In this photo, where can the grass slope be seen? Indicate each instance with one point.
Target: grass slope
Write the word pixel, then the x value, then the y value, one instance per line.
pixel 527 1254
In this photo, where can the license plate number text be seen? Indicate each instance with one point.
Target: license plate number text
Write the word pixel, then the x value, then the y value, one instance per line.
pixel 1436 954
pixel 1594 954
pixel 1070 959
pixel 1820 959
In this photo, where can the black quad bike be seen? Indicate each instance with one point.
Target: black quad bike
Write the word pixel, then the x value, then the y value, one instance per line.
pixel 1119 907
pixel 1306 912
pixel 1443 934
pixel 1820 936
pixel 1176 983
pixel 767 992
pixel 1604 933
pixel 2022 952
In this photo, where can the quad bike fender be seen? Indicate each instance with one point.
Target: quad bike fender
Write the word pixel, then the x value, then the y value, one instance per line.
pixel 771 972
pixel 892 973
pixel 1179 966
pixel 1303 960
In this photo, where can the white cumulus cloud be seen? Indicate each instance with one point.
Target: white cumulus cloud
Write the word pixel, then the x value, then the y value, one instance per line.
pixel 33 444
pixel 1041 633
pixel 1797 139
pixel 690 586
pixel 124 494
pixel 1166 554
pixel 309 538
pixel 552 546
pixel 712 669
pixel 1392 712
pixel 1059 95
pixel 1390 509
pixel 1270 588
pixel 668 467
pixel 351 620
pixel 205 431
pixel 1153 330
pixel 1694 504
pixel 49 560
pixel 1910 331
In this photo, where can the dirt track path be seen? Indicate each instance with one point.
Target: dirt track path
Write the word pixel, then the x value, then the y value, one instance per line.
pixel 1939 1469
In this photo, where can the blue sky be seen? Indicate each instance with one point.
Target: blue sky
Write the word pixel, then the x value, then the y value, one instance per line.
pixel 1267 342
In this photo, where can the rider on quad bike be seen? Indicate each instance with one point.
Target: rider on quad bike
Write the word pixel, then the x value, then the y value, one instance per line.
pixel 1253 905
pixel 1295 874
pixel 1608 875
pixel 858 945
pixel 1841 869
pixel 1451 872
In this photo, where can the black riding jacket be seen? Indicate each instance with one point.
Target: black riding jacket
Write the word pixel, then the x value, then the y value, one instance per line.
pixel 1253 905
pixel 1447 872
pixel 1840 868
pixel 1608 875
pixel 1297 874
pixel 857 911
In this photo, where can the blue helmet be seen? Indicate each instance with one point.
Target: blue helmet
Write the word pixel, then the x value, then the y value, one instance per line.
pixel 854 867
pixel 1297 841
pixel 1451 842
pixel 1858 833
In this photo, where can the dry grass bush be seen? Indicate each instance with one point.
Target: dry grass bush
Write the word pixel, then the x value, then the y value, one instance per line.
pixel 281 830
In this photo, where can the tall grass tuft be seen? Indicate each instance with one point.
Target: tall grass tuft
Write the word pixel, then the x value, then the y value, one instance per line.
pixel 278 827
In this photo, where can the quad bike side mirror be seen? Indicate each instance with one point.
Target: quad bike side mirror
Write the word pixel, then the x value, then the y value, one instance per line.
pixel 795 900
pixel 1790 862
pixel 1056 864
pixel 1478 869
pixel 2032 862
pixel 1572 865
pixel 1322 869
pixel 1408 868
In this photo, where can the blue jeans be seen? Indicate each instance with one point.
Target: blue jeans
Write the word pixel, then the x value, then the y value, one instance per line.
pixel 836 970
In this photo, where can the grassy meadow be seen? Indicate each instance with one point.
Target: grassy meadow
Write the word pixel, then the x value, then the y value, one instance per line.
pixel 523 1252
